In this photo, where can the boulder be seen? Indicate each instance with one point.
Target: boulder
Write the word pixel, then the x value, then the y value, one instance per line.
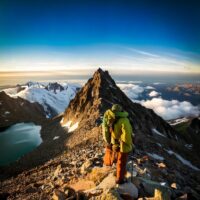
pixel 111 195
pixel 86 166
pixel 161 194
pixel 58 195
pixel 108 182
pixel 31 189
pixel 183 197
pixel 149 186
pixel 57 171
pixel 83 185
pixel 98 174
pixel 158 195
pixel 175 186
pixel 128 189
pixel 70 193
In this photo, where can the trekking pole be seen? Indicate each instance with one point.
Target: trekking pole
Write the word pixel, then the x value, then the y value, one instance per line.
pixel 132 171
pixel 132 166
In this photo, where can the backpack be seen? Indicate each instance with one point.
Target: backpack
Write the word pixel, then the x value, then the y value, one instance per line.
pixel 109 119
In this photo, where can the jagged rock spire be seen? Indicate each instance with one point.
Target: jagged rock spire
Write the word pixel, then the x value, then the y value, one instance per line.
pixel 98 94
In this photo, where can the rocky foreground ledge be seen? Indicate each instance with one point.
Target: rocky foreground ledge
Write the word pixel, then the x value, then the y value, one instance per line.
pixel 79 174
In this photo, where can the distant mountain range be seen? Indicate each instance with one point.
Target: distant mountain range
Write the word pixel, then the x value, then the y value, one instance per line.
pixel 168 101
pixel 54 97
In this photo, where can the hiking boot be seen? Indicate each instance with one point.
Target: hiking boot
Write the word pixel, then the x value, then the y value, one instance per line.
pixel 121 181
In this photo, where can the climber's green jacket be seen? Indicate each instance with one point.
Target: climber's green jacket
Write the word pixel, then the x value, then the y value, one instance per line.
pixel 121 131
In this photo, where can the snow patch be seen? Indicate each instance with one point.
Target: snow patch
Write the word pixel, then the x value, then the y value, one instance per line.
pixel 7 113
pixel 178 121
pixel 73 127
pixel 163 183
pixel 56 137
pixel 70 128
pixel 11 91
pixel 67 124
pixel 157 132
pixel 184 161
pixel 62 120
pixel 155 156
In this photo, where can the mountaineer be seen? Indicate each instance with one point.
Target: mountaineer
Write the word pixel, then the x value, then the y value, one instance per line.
pixel 117 133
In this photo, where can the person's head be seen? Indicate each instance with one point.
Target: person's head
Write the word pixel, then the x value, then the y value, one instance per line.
pixel 116 108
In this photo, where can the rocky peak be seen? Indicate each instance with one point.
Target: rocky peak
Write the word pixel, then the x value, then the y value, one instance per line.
pixel 88 101
pixel 34 84
pixel 54 87
pixel 99 94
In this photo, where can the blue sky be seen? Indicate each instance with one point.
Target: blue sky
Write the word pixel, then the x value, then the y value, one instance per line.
pixel 133 35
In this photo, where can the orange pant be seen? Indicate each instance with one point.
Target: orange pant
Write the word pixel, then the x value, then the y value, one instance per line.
pixel 121 165
pixel 122 158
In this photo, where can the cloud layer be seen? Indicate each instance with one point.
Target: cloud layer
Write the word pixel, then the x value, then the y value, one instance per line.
pixel 131 90
pixel 171 109
pixel 154 93
pixel 167 109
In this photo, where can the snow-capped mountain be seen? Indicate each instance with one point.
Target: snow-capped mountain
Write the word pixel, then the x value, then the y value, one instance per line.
pixel 54 97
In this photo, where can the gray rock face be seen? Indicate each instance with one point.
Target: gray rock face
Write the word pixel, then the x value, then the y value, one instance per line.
pixel 86 166
pixel 19 110
pixel 128 189
pixel 108 182
pixel 54 87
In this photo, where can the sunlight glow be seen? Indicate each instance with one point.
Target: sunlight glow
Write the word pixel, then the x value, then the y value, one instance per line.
pixel 118 59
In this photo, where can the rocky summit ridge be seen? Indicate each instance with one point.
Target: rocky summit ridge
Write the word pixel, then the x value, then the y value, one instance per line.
pixel 162 165
pixel 99 94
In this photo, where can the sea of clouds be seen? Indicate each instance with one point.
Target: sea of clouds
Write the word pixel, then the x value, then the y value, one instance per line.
pixel 171 109
pixel 167 109
pixel 131 90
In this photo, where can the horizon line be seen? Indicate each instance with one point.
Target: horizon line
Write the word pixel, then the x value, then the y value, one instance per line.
pixel 92 70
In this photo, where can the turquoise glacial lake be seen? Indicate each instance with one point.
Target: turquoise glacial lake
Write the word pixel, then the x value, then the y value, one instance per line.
pixel 18 140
